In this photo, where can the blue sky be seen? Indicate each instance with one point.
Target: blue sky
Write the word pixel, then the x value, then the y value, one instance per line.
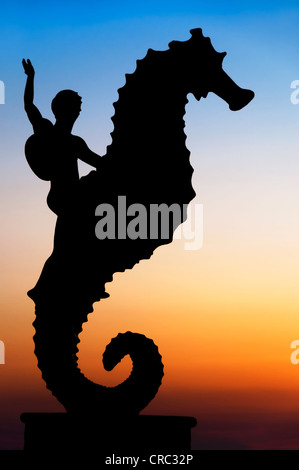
pixel 89 46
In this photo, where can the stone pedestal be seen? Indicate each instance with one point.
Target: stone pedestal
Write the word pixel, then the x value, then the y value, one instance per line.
pixel 62 432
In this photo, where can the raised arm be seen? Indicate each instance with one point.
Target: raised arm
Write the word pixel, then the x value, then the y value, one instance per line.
pixel 33 113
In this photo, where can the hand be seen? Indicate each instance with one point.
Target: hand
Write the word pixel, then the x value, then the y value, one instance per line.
pixel 28 68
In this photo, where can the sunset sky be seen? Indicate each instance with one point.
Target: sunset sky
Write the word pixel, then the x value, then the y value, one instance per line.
pixel 223 316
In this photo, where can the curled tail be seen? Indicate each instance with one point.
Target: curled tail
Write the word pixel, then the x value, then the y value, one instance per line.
pixel 56 351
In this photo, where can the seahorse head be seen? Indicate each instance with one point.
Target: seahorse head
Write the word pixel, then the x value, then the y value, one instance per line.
pixel 200 69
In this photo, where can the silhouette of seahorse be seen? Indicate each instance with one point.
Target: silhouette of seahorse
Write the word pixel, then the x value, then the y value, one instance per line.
pixel 149 164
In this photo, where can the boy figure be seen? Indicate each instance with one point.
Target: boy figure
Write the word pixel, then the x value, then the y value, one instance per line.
pixel 52 152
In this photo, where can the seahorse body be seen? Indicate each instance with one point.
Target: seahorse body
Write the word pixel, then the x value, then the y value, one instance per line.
pixel 149 164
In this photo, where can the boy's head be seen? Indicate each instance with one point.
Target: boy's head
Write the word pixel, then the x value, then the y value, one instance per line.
pixel 66 105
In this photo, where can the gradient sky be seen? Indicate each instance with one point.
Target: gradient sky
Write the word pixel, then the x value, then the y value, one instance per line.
pixel 224 316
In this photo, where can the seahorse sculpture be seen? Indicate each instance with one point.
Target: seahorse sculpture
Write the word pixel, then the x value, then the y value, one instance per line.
pixel 148 164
